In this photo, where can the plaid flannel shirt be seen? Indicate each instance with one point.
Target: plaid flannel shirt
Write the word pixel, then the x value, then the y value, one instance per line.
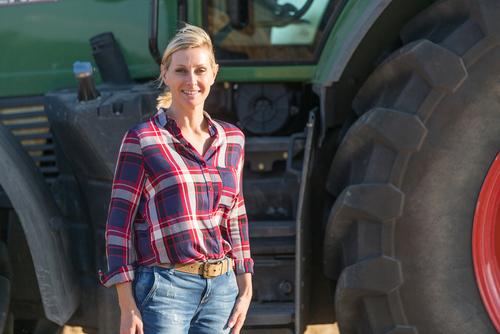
pixel 171 205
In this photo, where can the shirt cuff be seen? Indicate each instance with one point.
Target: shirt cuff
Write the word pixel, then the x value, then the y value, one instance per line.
pixel 120 275
pixel 243 266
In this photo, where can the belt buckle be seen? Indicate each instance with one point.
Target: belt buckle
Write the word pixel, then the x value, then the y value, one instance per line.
pixel 212 269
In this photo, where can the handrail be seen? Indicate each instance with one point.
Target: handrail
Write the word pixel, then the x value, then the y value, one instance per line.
pixel 153 32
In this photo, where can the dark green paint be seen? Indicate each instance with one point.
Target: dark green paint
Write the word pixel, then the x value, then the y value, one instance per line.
pixel 195 12
pixel 41 41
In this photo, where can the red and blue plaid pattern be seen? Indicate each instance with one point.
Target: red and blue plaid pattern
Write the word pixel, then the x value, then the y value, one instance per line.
pixel 171 205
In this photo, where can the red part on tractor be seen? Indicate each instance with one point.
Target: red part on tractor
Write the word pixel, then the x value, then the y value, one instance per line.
pixel 486 242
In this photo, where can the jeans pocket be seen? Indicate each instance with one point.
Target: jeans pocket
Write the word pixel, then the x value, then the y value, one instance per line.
pixel 233 284
pixel 145 287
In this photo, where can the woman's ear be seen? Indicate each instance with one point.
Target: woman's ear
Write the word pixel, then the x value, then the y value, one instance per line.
pixel 215 70
pixel 163 74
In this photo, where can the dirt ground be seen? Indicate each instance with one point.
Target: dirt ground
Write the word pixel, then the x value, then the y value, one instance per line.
pixel 322 329
pixel 316 329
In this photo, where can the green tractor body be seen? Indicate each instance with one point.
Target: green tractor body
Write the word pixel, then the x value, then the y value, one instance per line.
pixel 370 127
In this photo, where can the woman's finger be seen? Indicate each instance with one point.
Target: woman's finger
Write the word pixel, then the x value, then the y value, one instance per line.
pixel 239 324
pixel 235 314
pixel 129 330
pixel 140 330
pixel 233 319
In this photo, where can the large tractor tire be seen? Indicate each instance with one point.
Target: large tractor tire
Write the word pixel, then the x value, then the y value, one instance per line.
pixel 9 324
pixel 408 175
pixel 5 275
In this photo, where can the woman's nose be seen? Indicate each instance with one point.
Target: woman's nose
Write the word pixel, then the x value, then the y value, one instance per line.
pixel 191 78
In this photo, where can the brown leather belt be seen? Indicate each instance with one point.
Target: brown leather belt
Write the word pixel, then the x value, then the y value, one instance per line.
pixel 205 269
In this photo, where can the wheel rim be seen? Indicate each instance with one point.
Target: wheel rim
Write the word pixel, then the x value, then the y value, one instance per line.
pixel 486 242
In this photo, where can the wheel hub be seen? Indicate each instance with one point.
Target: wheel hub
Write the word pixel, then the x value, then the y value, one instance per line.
pixel 486 242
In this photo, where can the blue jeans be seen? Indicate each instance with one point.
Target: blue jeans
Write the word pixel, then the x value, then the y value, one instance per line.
pixel 173 302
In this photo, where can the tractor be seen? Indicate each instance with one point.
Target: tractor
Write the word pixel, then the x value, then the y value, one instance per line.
pixel 372 166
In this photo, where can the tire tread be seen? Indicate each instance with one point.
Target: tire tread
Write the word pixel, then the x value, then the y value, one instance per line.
pixel 394 105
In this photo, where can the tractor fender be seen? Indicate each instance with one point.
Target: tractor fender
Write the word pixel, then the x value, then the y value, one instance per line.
pixel 338 51
pixel 42 224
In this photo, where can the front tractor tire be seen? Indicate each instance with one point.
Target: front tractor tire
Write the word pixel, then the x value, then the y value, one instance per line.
pixel 408 174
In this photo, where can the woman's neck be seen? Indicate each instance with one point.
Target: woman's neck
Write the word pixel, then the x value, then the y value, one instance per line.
pixel 191 120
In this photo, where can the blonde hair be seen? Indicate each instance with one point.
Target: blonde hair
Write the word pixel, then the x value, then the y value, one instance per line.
pixel 187 37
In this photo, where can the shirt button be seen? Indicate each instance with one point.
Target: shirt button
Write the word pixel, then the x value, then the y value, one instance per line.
pixel 203 163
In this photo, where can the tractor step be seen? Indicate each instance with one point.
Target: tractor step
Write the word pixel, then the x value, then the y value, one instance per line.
pixel 272 237
pixel 263 152
pixel 271 191
pixel 272 228
pixel 270 197
pixel 275 282
pixel 270 314
pixel 272 246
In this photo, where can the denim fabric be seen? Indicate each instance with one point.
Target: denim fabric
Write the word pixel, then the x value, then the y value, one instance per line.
pixel 173 302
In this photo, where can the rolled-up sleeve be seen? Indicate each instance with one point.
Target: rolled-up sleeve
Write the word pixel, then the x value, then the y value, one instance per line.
pixel 128 184
pixel 237 227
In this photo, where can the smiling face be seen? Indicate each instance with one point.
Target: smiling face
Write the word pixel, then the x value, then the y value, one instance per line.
pixel 189 76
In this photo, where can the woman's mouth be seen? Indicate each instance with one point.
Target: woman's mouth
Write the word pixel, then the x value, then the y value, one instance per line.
pixel 192 92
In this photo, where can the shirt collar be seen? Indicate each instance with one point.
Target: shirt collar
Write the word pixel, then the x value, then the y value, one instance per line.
pixel 169 123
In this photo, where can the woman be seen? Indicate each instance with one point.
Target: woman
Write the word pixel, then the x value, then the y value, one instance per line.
pixel 177 225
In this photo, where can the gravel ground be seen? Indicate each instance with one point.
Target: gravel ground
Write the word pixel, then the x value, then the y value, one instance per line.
pixel 322 329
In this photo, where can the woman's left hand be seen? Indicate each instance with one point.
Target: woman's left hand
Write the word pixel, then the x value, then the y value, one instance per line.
pixel 242 303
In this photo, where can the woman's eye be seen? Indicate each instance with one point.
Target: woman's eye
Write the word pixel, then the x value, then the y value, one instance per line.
pixel 201 70
pixel 180 70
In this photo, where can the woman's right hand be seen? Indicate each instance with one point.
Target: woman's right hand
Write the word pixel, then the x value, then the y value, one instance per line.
pixel 131 321
pixel 130 318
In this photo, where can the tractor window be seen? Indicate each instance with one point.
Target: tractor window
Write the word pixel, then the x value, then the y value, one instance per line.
pixel 268 30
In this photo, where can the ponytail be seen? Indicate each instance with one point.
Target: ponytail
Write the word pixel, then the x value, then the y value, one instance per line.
pixel 164 100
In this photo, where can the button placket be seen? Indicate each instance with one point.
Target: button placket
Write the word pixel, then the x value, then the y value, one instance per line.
pixel 208 180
